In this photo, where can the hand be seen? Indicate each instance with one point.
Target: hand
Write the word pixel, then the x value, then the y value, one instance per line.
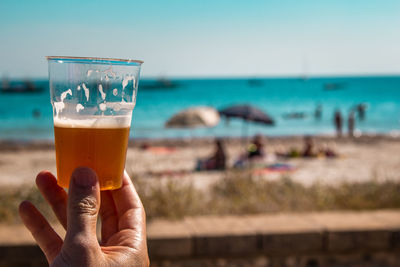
pixel 123 223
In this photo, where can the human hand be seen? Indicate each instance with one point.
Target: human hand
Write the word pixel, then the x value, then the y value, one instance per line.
pixel 123 223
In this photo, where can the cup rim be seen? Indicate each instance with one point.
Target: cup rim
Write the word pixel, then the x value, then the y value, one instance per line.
pixel 94 60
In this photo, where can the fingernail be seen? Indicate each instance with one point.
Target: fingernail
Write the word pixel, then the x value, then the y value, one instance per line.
pixel 84 177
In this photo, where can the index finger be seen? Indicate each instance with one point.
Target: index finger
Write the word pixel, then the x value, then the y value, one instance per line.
pixel 130 210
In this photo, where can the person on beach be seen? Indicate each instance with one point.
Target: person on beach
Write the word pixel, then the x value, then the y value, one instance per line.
pixel 256 148
pixel 217 161
pixel 328 152
pixel 351 123
pixel 308 150
pixel 318 112
pixel 123 222
pixel 255 153
pixel 338 121
pixel 361 108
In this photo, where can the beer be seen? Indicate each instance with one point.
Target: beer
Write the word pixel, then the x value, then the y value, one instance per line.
pixel 98 144
pixel 93 100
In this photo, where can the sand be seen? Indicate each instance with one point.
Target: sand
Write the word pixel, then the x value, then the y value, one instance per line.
pixel 360 159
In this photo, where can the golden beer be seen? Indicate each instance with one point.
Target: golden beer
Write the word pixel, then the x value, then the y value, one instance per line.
pixel 101 148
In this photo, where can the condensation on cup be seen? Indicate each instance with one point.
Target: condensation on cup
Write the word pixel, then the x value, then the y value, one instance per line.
pixel 93 100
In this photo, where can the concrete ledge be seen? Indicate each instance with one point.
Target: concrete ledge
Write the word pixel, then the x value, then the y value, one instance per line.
pixel 28 255
pixel 278 235
pixel 289 244
pixel 170 239
pixel 275 236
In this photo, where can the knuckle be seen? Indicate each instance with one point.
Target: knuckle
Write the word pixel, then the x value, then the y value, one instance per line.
pixel 87 205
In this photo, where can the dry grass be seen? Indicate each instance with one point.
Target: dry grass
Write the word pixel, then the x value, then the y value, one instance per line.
pixel 236 193
pixel 12 197
pixel 239 193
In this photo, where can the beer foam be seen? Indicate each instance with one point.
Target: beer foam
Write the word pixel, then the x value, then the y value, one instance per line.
pixel 126 80
pixel 104 122
pixel 103 95
pixel 65 94
pixel 79 107
pixel 59 106
pixel 86 91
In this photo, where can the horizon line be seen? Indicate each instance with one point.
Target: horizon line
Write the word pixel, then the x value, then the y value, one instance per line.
pixel 239 77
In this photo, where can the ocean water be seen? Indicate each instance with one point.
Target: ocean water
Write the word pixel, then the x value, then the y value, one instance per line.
pixel 275 96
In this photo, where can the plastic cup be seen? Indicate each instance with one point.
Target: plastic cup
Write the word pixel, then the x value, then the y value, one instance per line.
pixel 93 100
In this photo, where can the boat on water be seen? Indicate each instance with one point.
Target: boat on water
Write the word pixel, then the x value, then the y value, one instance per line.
pixel 161 83
pixel 295 115
pixel 255 82
pixel 19 87
pixel 304 78
pixel 334 86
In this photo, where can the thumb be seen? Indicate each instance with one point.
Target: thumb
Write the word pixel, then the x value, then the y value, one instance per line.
pixel 83 206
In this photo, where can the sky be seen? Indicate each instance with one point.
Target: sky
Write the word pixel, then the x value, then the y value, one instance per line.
pixel 207 38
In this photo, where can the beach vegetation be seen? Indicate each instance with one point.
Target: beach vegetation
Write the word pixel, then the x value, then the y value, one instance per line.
pixel 237 193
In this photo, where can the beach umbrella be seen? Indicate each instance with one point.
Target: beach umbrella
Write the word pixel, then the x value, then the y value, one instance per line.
pixel 194 117
pixel 247 113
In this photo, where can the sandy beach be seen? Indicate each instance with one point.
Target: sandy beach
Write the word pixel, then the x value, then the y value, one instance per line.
pixel 362 159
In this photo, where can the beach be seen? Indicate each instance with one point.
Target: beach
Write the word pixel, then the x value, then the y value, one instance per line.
pixel 259 133
pixel 362 159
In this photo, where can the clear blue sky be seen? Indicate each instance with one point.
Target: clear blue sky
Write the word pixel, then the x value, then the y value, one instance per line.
pixel 192 38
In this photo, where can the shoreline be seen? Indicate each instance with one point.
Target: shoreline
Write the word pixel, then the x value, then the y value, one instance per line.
pixel 23 145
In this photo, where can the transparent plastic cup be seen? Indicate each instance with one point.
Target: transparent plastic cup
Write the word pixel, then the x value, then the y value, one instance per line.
pixel 93 100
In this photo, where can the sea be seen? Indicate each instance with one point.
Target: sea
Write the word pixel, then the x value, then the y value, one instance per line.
pixel 291 102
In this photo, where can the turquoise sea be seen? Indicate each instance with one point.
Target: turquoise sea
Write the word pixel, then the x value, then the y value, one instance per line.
pixel 27 116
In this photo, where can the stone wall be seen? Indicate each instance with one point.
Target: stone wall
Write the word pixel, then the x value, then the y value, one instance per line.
pixel 306 239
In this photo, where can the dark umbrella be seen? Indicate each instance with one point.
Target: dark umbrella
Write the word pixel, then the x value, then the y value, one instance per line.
pixel 247 113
